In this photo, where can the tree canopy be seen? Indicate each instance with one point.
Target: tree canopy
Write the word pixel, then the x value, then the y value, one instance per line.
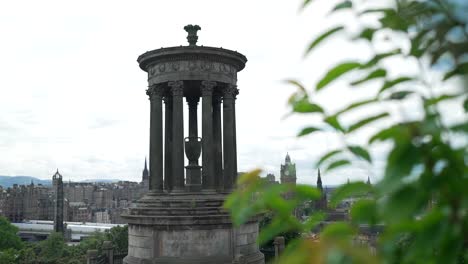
pixel 8 237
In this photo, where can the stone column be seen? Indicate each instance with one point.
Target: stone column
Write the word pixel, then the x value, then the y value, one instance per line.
pixel 91 256
pixel 218 149
pixel 279 246
pixel 236 92
pixel 108 250
pixel 207 135
pixel 156 144
pixel 193 124
pixel 177 88
pixel 168 181
pixel 229 137
pixel 192 149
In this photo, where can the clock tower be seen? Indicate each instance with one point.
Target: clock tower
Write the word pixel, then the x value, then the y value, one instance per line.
pixel 288 171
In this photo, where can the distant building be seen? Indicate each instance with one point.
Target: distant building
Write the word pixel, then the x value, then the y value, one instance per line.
pixel 79 212
pixel 270 178
pixel 102 216
pixel 288 171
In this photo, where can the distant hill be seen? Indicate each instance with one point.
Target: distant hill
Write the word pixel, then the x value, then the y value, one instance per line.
pixel 8 181
pixel 101 180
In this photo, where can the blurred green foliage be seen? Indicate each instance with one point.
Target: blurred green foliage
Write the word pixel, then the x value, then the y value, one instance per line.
pixel 54 249
pixel 422 198
pixel 8 237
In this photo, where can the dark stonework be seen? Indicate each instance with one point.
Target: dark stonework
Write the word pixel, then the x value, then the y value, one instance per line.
pixel 168 143
pixel 182 220
pixel 177 89
pixel 207 135
pixel 217 141
pixel 155 93
pixel 230 172
pixel 193 148
pixel 192 34
pixel 57 183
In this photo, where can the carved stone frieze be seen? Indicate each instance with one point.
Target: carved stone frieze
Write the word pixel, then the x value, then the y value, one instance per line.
pixel 175 66
pixel 195 69
pixel 162 67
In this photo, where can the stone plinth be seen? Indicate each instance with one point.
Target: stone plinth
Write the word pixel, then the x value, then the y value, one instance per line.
pixel 188 228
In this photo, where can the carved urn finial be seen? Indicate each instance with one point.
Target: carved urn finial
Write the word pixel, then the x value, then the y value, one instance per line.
pixel 192 34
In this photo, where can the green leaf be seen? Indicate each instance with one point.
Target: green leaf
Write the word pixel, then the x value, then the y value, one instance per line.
pixel 336 72
pixel 394 21
pixel 465 105
pixel 353 189
pixel 386 134
pixel 313 221
pixel 337 164
pixel 404 204
pixel 400 95
pixel 304 106
pixel 378 57
pixel 307 192
pixel 366 121
pixel 322 37
pixel 460 69
pixel 375 10
pixel 364 212
pixel 360 152
pixel 378 73
pixel 416 49
pixel 460 128
pixel 307 130
pixel 333 122
pixel 328 155
pixel 438 99
pixel 367 33
pixel 343 5
pixel 390 83
pixel 337 230
pixel 275 228
pixel 401 160
pixel 305 3
pixel 356 105
pixel 297 84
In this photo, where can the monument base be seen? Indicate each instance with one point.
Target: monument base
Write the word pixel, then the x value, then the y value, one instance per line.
pixel 188 228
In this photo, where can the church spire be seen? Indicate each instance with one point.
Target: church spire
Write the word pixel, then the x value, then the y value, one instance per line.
pixel 319 181
pixel 145 174
pixel 368 180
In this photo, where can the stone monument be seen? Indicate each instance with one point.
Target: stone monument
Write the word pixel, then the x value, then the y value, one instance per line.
pixel 57 183
pixel 181 219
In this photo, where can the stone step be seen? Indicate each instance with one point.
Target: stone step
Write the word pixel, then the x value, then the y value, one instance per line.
pixel 179 211
pixel 181 204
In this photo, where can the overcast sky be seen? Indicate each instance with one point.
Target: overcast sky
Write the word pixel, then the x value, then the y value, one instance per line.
pixel 72 95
